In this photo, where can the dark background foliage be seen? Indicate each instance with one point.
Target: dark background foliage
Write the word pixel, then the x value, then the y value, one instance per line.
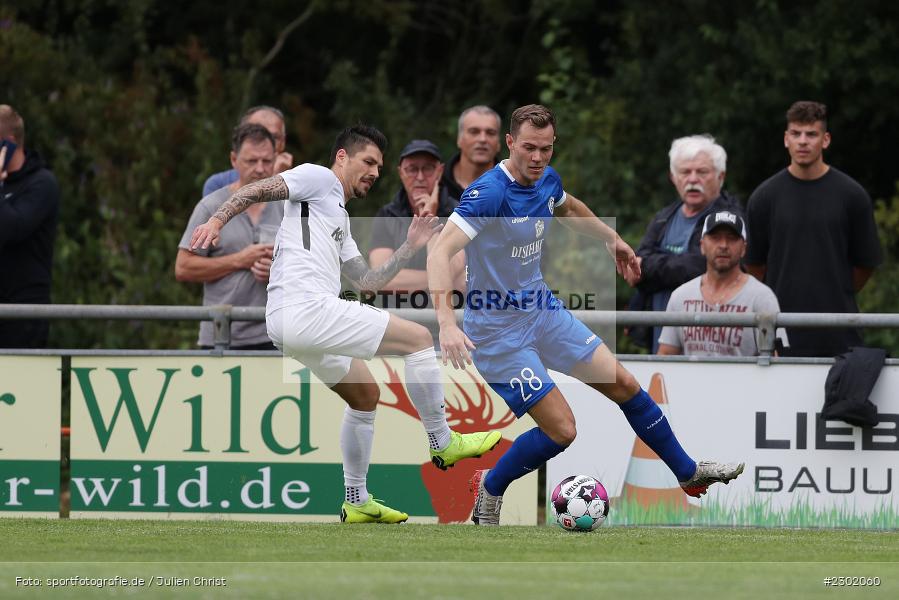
pixel 133 103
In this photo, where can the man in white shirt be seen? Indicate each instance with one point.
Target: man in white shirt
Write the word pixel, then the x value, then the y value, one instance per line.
pixel 334 337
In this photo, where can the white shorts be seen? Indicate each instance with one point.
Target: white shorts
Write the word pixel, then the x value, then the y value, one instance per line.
pixel 325 333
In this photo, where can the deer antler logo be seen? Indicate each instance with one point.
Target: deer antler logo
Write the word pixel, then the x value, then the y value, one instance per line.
pixel 449 490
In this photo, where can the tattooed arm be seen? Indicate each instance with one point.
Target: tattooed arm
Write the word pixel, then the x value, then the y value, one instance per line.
pixel 367 279
pixel 371 280
pixel 264 190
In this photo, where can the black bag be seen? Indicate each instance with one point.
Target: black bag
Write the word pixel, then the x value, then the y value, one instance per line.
pixel 849 384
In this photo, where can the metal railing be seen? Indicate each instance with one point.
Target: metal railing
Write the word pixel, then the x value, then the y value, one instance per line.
pixel 222 316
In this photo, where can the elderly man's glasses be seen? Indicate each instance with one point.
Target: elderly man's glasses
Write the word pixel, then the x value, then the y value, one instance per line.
pixel 413 171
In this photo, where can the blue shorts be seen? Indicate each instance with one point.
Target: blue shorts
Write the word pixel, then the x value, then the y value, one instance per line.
pixel 515 362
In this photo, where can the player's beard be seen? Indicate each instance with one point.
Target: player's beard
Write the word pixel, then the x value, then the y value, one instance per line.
pixel 360 190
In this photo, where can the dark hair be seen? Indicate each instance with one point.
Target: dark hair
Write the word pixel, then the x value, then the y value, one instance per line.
pixel 355 138
pixel 537 115
pixel 807 112
pixel 250 131
pixel 11 123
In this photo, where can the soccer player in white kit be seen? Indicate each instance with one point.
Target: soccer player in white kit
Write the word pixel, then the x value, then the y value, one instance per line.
pixel 334 337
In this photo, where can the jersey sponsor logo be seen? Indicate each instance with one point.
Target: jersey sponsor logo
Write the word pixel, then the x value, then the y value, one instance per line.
pixel 338 235
pixel 538 227
pixel 520 220
pixel 551 204
pixel 590 339
pixel 474 194
pixel 527 250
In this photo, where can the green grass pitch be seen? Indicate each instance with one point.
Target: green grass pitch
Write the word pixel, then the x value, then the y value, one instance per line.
pixel 284 560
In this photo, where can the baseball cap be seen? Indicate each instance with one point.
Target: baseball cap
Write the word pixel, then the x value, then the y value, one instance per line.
pixel 725 219
pixel 426 146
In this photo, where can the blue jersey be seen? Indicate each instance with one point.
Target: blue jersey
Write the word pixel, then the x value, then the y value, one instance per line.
pixel 507 223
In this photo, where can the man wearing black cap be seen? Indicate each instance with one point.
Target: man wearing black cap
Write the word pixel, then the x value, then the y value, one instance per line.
pixel 420 169
pixel 722 288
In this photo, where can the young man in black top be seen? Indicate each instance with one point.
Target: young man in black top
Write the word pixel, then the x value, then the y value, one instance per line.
pixel 29 210
pixel 812 236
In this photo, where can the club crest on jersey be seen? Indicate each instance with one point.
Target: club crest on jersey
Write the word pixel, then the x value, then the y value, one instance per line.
pixel 551 204
pixel 473 194
pixel 538 227
pixel 338 235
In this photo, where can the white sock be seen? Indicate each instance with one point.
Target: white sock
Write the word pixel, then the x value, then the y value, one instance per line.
pixel 356 435
pixel 426 392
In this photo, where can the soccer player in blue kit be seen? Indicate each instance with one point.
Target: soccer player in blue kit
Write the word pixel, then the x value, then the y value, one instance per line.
pixel 515 329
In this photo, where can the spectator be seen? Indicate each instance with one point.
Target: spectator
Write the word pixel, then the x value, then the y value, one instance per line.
pixel 723 288
pixel 420 169
pixel 669 253
pixel 478 142
pixel 236 270
pixel 273 120
pixel 812 234
pixel 29 208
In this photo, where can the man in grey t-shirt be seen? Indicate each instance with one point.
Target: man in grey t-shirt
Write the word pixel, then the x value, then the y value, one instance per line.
pixel 722 288
pixel 236 270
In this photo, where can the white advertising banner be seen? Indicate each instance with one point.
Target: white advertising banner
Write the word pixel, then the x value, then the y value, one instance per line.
pixel 800 470
pixel 237 437
pixel 30 417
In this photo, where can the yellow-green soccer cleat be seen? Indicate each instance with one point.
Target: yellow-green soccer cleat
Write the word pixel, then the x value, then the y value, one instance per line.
pixel 370 512
pixel 465 445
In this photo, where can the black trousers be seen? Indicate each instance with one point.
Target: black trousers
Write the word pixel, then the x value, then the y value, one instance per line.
pixel 23 334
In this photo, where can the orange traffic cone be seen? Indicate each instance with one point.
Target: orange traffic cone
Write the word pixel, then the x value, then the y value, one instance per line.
pixel 648 480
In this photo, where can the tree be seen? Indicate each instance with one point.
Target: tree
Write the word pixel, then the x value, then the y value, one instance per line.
pixel 133 104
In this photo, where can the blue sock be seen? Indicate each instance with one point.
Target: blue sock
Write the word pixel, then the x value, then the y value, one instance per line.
pixel 530 450
pixel 650 423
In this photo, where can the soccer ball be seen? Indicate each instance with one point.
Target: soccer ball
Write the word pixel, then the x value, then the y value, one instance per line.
pixel 580 503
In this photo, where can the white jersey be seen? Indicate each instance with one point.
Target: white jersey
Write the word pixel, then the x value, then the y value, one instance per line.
pixel 313 241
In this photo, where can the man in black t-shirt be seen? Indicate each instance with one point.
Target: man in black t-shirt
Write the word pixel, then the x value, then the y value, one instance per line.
pixel 478 142
pixel 812 236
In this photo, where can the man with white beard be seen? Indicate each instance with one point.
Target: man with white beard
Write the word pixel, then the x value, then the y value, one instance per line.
pixel 669 253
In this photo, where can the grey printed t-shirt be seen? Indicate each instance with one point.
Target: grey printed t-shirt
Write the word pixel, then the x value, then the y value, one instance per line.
pixel 705 340
pixel 238 288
